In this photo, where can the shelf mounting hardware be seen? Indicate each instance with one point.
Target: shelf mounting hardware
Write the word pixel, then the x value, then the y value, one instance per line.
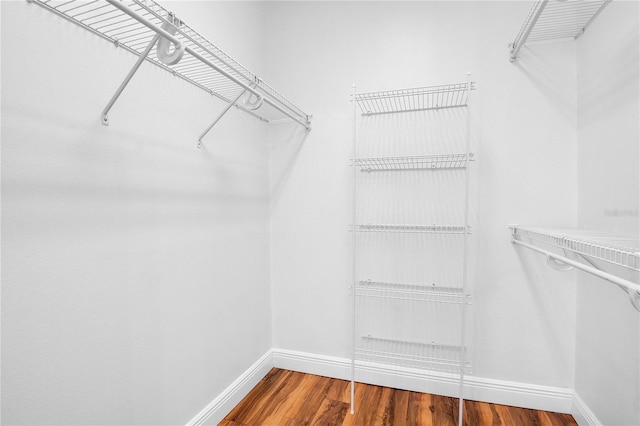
pixel 224 111
pixel 127 79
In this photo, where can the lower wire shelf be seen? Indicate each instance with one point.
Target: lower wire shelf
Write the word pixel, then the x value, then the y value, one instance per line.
pixel 426 356
pixel 412 292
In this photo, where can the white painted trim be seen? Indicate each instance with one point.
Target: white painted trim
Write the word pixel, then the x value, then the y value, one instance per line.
pixel 518 394
pixel 217 409
pixel 582 413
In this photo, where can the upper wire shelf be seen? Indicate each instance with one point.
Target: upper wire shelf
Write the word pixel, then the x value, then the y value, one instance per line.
pixel 421 162
pixel 556 20
pixel 134 25
pixel 417 99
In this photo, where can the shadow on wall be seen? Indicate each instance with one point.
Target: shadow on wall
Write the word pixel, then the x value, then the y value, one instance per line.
pixel 556 81
pixel 553 293
pixel 285 142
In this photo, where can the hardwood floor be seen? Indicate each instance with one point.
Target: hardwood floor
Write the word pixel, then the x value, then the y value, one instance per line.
pixel 288 398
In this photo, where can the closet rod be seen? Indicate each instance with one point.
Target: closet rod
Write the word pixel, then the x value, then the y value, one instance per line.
pixel 175 41
pixel 631 288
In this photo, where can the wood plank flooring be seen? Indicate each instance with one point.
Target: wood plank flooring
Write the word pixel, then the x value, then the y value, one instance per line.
pixel 288 398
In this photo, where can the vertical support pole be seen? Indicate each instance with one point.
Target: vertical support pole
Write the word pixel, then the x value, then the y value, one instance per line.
pixel 354 242
pixel 465 255
pixel 224 111
pixel 114 98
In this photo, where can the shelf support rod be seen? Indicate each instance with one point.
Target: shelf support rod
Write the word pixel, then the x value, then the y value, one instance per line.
pixel 517 45
pixel 631 288
pixel 127 79
pixel 224 111
pixel 172 38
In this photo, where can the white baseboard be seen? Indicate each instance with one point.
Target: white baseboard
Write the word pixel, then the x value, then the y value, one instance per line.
pixel 582 413
pixel 548 398
pixel 524 395
pixel 217 409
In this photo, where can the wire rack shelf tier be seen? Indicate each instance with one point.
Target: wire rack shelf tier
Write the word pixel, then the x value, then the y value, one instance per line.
pixel 417 99
pixel 412 292
pixel 431 356
pixel 615 249
pixel 420 229
pixel 219 74
pixel 556 20
pixel 418 162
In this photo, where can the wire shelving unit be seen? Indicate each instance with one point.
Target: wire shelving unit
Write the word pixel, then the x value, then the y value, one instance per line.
pixel 592 247
pixel 433 306
pixel 416 162
pixel 139 26
pixel 550 20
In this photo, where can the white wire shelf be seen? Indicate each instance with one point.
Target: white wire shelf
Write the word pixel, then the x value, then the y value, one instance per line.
pixel 590 246
pixel 420 229
pixel 427 356
pixel 412 292
pixel 615 249
pixel 133 25
pixel 556 20
pixel 421 162
pixel 417 99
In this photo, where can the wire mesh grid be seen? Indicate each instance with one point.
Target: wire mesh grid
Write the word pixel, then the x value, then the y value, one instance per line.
pixel 558 19
pixel 427 229
pixel 612 248
pixel 420 162
pixel 109 22
pixel 430 356
pixel 417 99
pixel 412 292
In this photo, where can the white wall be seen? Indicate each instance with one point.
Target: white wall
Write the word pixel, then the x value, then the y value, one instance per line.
pixel 135 267
pixel 525 123
pixel 608 328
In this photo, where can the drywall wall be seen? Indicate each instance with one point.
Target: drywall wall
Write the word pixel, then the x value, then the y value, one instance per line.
pixel 524 116
pixel 608 328
pixel 135 267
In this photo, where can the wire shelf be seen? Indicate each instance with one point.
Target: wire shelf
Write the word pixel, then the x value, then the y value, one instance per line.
pixel 421 162
pixel 423 229
pixel 418 99
pixel 615 249
pixel 111 23
pixel 556 20
pixel 429 356
pixel 412 292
